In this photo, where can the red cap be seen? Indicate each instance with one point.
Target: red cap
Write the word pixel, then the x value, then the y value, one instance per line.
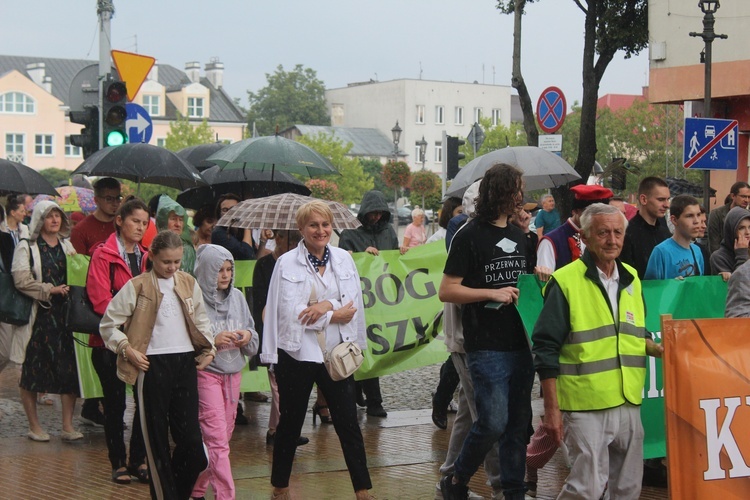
pixel 586 195
pixel 77 216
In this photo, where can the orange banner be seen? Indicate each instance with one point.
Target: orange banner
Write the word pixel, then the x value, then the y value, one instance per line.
pixel 707 398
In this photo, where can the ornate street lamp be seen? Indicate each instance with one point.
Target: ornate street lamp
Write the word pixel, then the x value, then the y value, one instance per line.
pixel 708 7
pixel 396 132
pixel 422 150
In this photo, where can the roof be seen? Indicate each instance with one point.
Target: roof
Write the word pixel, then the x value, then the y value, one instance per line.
pixel 365 141
pixel 62 71
pixel 616 102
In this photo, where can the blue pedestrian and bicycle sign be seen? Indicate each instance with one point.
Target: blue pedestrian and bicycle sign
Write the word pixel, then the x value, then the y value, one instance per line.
pixel 139 125
pixel 550 110
pixel 710 144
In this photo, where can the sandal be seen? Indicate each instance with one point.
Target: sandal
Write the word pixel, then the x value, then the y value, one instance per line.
pixel 121 476
pixel 318 411
pixel 140 472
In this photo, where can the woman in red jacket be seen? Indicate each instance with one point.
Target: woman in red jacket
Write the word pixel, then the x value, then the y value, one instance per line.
pixel 114 263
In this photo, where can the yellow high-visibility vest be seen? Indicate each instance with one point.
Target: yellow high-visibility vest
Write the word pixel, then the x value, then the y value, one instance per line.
pixel 601 365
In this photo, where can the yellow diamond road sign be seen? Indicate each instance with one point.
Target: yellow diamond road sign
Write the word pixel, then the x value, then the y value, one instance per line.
pixel 133 69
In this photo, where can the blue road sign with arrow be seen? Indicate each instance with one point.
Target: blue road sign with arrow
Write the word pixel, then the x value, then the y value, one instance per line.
pixel 138 124
pixel 710 144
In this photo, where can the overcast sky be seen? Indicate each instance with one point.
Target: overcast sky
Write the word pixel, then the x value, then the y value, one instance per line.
pixel 343 40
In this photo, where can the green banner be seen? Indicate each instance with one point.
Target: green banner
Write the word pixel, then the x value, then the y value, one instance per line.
pixel 697 297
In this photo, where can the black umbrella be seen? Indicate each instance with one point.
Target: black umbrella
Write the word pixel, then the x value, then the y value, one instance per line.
pixel 244 183
pixel 683 186
pixel 140 162
pixel 17 178
pixel 196 155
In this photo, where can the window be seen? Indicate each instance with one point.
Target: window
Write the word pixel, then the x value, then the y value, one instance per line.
pixel 477 115
pixel 420 113
pixel 161 142
pixel 418 155
pixel 14 147
pixel 16 102
pixel 495 117
pixel 438 152
pixel 195 107
pixel 71 150
pixel 151 104
pixel 439 115
pixel 43 145
pixel 459 115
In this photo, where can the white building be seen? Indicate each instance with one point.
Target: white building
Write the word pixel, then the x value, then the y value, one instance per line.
pixel 422 108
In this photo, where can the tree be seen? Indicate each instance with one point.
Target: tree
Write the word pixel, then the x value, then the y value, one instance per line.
pixel 374 169
pixel 396 175
pixel 495 138
pixel 323 189
pixel 353 182
pixel 516 7
pixel 297 96
pixel 55 175
pixel 425 189
pixel 183 134
pixel 609 26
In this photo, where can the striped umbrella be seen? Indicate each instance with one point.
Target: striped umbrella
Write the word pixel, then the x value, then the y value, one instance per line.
pixel 280 211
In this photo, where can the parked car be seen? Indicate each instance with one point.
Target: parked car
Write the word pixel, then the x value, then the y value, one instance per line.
pixel 404 215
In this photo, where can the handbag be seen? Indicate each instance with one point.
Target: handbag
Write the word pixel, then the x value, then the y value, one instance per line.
pixel 344 359
pixel 80 316
pixel 15 307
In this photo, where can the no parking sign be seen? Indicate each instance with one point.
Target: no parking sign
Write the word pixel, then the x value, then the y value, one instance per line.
pixel 550 110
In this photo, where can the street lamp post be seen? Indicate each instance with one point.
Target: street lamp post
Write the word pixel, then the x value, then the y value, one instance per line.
pixel 708 7
pixel 396 133
pixel 422 156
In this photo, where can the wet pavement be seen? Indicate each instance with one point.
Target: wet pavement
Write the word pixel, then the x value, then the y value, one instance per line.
pixel 404 452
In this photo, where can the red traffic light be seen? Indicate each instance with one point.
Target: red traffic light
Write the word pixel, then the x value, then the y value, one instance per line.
pixel 116 92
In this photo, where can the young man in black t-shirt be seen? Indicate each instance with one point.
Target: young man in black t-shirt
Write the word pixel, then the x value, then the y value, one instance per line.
pixel 486 257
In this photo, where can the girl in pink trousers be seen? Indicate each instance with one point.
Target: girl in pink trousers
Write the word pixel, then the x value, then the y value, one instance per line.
pixel 219 384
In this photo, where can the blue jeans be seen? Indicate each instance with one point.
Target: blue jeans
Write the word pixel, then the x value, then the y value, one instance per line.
pixel 502 393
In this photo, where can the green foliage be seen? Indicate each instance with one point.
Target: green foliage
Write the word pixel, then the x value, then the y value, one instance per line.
pixel 147 191
pixel 646 135
pixel 496 137
pixel 425 189
pixel 353 182
pixel 297 96
pixel 374 169
pixel 509 6
pixel 323 189
pixel 183 134
pixel 55 175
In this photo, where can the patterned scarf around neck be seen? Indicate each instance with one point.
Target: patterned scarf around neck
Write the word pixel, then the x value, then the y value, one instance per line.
pixel 318 263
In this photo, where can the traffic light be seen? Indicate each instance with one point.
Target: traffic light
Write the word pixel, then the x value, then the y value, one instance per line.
pixel 453 155
pixel 114 114
pixel 88 139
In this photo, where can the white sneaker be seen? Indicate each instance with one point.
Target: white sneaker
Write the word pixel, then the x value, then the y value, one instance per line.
pixel 439 493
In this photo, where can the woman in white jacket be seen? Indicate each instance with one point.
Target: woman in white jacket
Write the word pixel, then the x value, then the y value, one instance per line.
pixel 315 287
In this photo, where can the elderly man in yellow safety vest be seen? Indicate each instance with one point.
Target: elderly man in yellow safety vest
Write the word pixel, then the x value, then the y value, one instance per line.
pixel 590 346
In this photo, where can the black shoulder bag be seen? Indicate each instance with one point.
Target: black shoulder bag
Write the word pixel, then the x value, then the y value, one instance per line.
pixel 80 316
pixel 15 307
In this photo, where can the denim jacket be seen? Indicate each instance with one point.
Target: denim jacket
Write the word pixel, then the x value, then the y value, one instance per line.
pixel 289 294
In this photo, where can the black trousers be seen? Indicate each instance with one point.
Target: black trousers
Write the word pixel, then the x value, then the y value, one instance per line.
pixel 446 386
pixel 371 388
pixel 169 405
pixel 295 380
pixel 105 364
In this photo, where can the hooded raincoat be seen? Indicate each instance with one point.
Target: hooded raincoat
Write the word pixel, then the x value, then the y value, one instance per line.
pixel 167 205
pixel 726 259
pixel 379 235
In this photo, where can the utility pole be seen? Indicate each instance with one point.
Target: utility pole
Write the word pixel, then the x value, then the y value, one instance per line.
pixel 105 9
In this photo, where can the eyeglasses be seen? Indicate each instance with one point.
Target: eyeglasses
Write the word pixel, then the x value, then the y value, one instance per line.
pixel 112 199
